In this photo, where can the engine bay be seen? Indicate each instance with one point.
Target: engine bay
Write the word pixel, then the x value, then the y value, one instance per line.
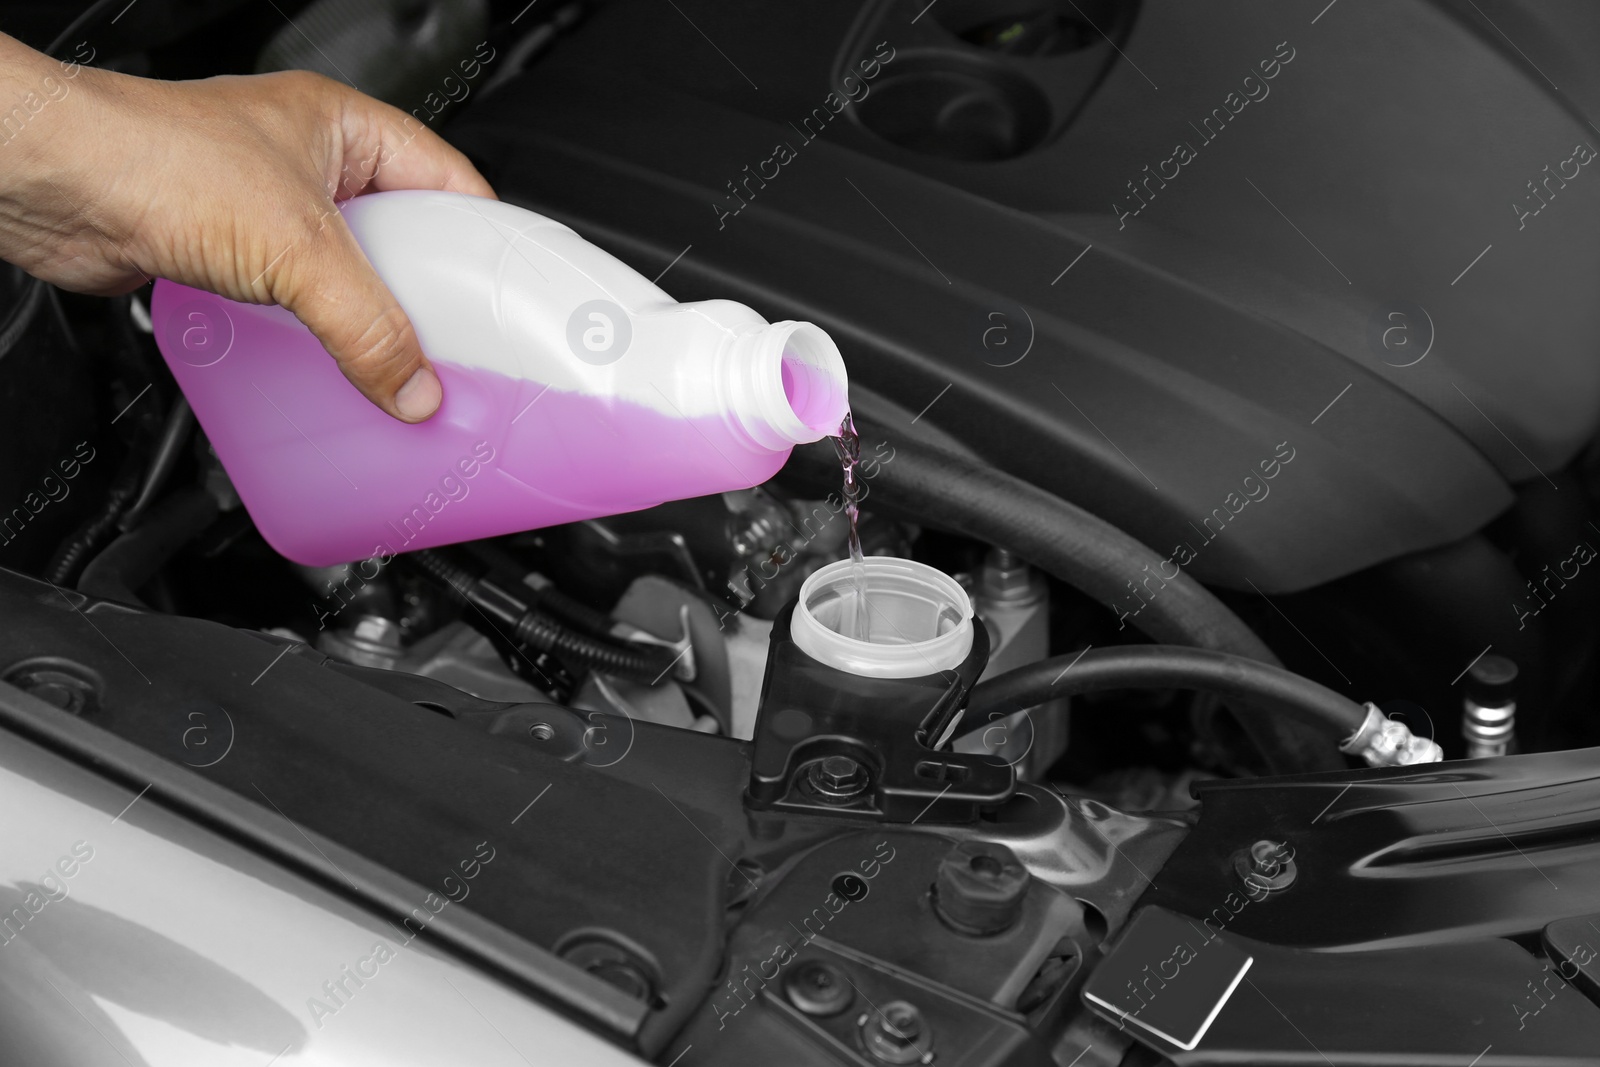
pixel 1273 739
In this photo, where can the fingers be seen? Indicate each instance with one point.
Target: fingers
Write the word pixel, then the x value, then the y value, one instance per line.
pixel 340 298
pixel 401 153
pixel 292 138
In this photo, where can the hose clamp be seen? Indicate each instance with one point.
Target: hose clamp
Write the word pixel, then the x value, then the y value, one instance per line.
pixel 1384 742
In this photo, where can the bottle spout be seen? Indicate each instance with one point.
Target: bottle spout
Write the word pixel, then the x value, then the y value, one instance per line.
pixel 790 384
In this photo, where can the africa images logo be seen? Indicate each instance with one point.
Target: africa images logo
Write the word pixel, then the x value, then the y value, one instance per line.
pixel 599 332
pixel 1401 333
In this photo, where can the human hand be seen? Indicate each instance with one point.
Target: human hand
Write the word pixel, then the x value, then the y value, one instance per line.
pixel 227 184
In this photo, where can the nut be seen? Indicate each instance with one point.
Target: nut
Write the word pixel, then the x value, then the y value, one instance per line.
pixel 838 777
pixel 897 1034
pixel 980 888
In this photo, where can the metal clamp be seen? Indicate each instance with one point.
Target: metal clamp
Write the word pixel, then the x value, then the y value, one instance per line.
pixel 1385 742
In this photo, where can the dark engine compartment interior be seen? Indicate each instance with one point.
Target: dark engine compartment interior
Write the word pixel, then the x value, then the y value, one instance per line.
pixel 1376 451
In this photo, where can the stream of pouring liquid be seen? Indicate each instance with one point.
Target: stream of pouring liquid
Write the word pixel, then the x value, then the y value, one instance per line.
pixel 853 621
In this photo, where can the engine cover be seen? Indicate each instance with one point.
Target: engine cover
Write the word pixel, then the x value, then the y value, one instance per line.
pixel 1181 284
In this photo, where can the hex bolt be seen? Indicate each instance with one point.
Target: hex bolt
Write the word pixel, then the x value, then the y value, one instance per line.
pixel 1265 866
pixel 897 1034
pixel 838 777
pixel 980 888
pixel 818 988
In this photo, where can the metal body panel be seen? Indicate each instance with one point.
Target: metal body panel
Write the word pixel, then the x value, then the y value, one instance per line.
pixel 168 943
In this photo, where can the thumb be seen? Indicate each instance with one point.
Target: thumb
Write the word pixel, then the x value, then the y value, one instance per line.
pixel 340 298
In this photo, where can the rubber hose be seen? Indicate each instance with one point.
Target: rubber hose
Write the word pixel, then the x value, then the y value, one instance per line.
pixel 90 15
pixel 944 489
pixel 445 571
pixel 574 612
pixel 539 631
pixel 546 598
pixel 133 559
pixel 93 533
pixel 952 492
pixel 168 451
pixel 21 315
pixel 1235 678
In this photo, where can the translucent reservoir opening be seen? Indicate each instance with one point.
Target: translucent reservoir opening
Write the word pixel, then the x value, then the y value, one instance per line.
pixel 918 620
pixel 898 612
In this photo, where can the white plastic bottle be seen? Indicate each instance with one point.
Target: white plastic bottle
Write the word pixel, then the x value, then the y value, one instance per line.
pixel 573 388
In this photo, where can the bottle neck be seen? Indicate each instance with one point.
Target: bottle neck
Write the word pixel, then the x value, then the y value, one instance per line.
pixel 787 384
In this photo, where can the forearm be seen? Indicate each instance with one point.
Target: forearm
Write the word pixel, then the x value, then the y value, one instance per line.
pixel 32 86
pixel 51 113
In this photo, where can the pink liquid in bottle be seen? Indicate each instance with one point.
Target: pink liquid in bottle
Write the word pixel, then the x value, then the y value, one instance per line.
pixel 573 388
